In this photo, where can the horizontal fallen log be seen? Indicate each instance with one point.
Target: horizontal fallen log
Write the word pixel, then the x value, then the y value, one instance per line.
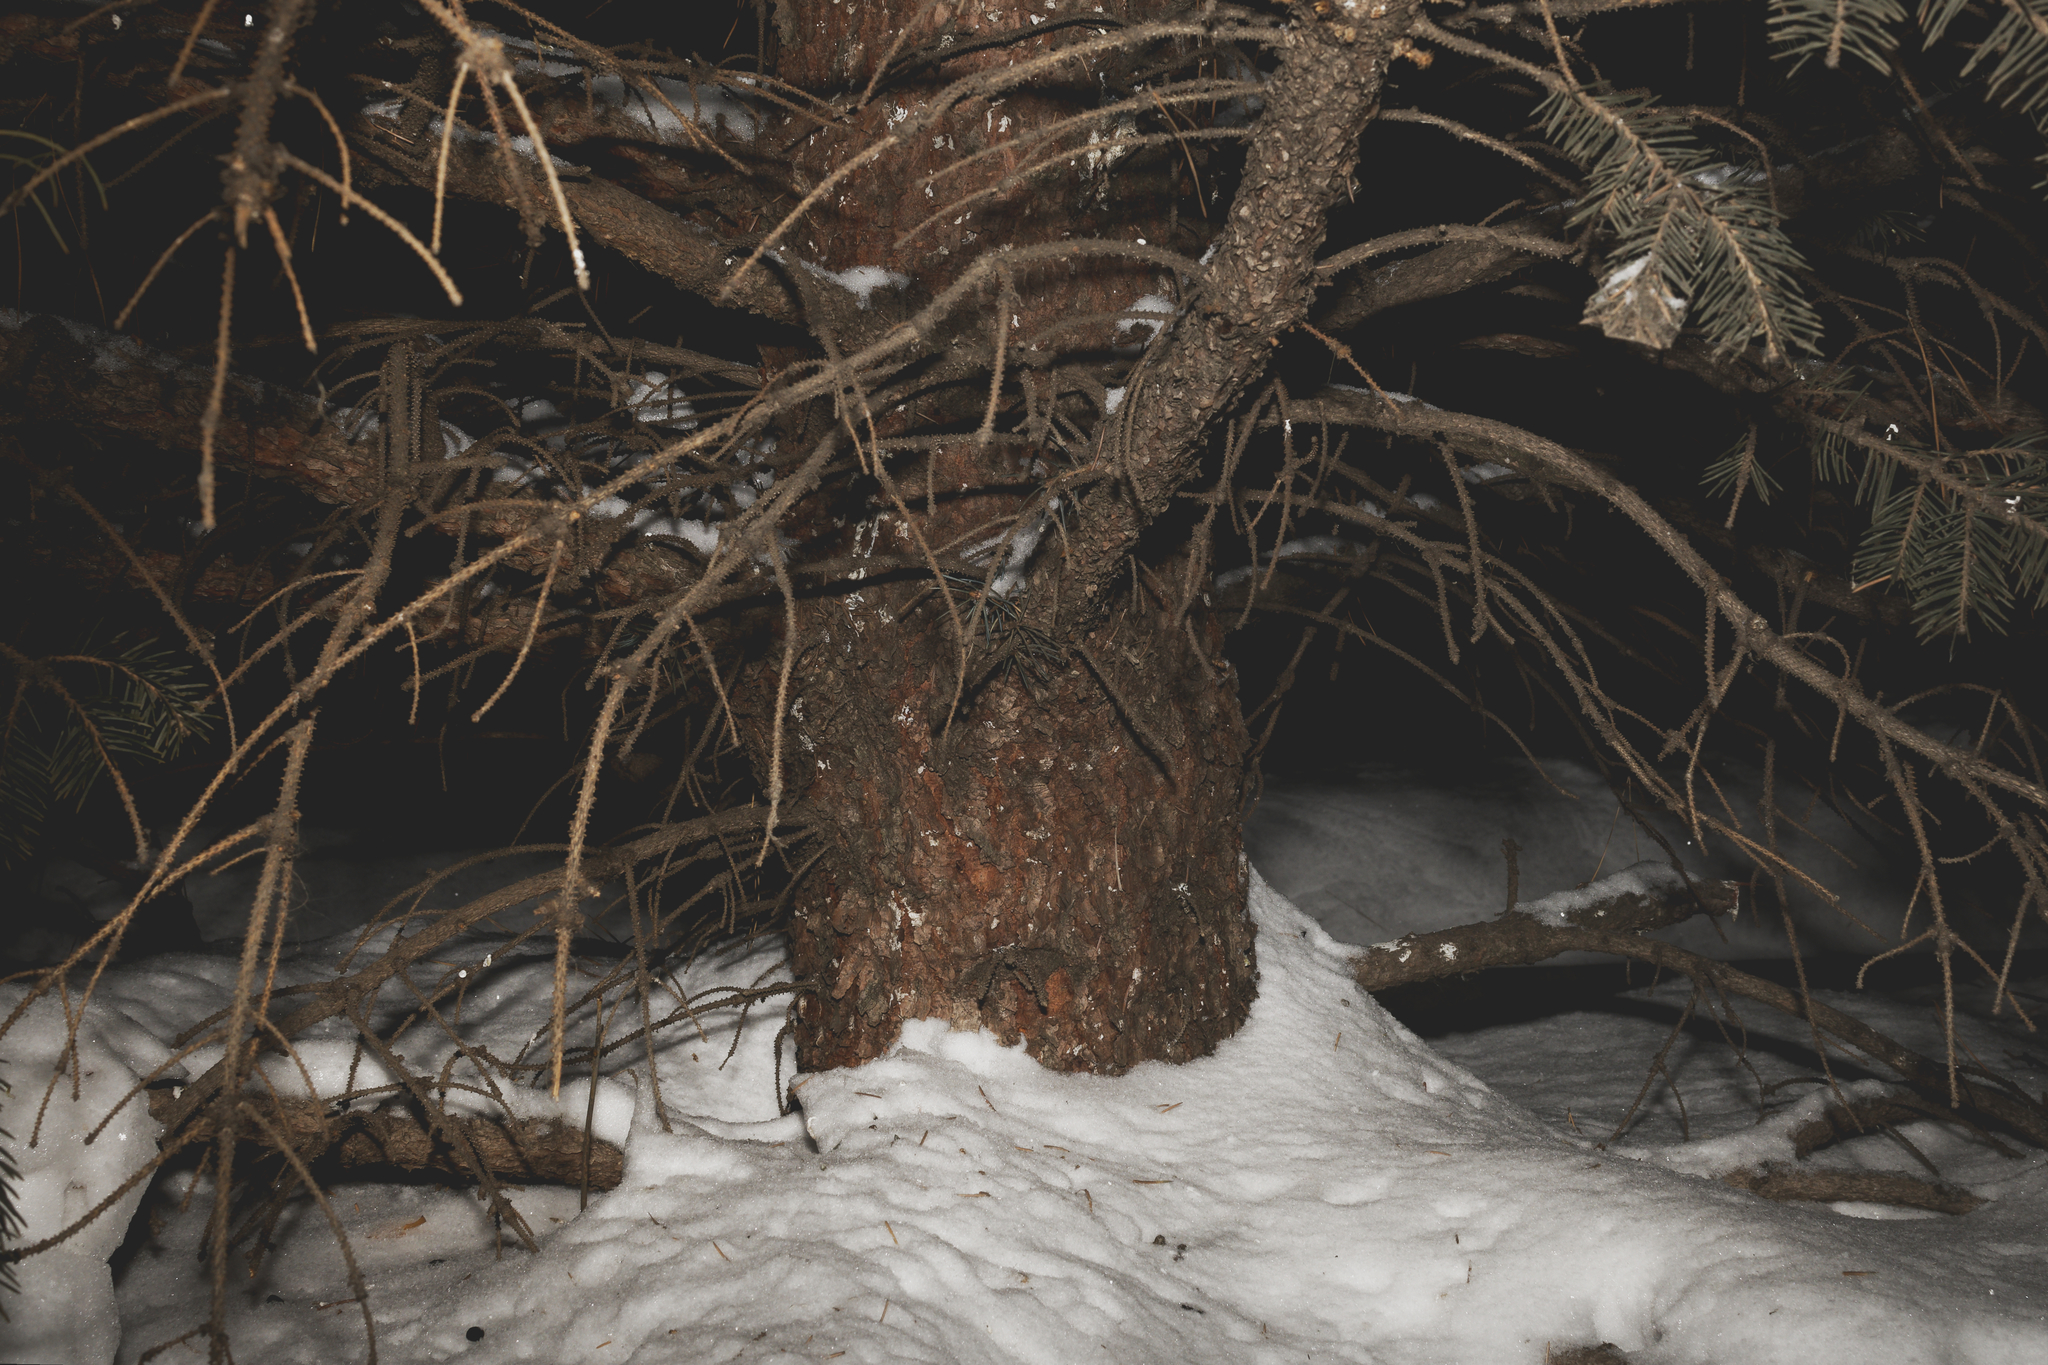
pixel 1859 1116
pixel 1775 1181
pixel 523 1151
pixel 1635 900
pixel 1518 939
pixel 1839 1122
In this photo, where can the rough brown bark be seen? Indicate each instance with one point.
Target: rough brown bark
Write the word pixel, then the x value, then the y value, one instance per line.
pixel 1049 868
pixel 529 1150
pixel 1516 939
pixel 1259 284
pixel 1057 860
pixel 1873 1187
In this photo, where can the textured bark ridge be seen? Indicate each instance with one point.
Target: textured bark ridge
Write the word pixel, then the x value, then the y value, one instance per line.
pixel 1059 859
pixel 526 1150
pixel 1040 870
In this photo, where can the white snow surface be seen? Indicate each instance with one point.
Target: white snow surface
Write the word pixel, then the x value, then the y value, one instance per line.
pixel 1384 850
pixel 1325 1186
pixel 1305 545
pixel 861 281
pixel 66 1310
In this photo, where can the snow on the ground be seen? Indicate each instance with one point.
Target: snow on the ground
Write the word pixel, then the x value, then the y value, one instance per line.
pixel 1384 851
pixel 1326 1186
pixel 1579 1071
pixel 66 1309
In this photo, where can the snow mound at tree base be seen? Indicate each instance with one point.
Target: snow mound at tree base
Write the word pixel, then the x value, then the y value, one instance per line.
pixel 69 1163
pixel 1324 1187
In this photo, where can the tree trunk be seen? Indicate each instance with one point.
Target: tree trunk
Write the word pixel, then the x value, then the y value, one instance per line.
pixel 1058 859
pixel 1049 868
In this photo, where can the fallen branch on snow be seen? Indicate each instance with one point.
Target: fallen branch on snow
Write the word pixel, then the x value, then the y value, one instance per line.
pixel 522 1151
pixel 1637 899
pixel 1775 1181
pixel 1610 916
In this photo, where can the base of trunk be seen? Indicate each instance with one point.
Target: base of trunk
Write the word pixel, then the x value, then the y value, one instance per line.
pixel 1054 868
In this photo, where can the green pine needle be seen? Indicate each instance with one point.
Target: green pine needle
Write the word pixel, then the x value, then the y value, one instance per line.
pixel 147 702
pixel 1966 547
pixel 1863 29
pixel 1739 469
pixel 1694 240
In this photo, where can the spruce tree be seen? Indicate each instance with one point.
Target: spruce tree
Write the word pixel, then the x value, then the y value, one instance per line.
pixel 939 443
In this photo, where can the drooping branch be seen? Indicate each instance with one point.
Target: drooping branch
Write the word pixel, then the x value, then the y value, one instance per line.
pixel 521 1150
pixel 675 249
pixel 114 387
pixel 1774 1180
pixel 334 999
pixel 1461 258
pixel 124 393
pixel 1538 457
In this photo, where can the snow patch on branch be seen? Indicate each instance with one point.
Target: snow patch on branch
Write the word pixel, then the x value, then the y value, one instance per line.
pixel 1306 545
pixel 655 399
pixel 861 281
pixel 521 143
pixel 713 107
pixel 1394 394
pixel 1649 879
pixel 701 536
pixel 706 104
pixel 1150 312
pixel 1022 546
